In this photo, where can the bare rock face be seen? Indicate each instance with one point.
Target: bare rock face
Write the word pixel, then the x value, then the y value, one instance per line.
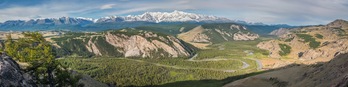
pixel 141 45
pixel 339 23
pixel 11 75
pixel 127 43
pixel 271 46
pixel 91 47
pixel 280 32
pixel 201 38
pixel 238 27
pixel 330 50
pixel 207 34
pixel 310 54
pixel 245 36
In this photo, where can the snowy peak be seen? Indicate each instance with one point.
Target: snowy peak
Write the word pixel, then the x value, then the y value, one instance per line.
pixel 52 21
pixel 157 17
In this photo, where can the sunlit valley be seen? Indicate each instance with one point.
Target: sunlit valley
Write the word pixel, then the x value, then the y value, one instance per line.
pixel 110 44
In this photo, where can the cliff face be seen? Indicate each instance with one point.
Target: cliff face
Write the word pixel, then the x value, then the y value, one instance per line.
pixel 280 32
pixel 245 36
pixel 146 44
pixel 11 74
pixel 311 42
pixel 128 43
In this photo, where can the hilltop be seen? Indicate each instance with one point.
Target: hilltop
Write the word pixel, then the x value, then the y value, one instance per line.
pixel 207 34
pixel 311 43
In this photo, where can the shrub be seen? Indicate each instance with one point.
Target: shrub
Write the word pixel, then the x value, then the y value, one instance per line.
pixel 319 36
pixel 285 49
pixel 314 44
pixel 308 38
pixel 305 37
pixel 289 39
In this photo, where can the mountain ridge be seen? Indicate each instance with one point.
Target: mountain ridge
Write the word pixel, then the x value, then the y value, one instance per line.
pixel 155 17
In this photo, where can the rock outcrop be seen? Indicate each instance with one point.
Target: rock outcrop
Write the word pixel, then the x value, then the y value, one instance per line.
pixel 207 34
pixel 339 23
pixel 201 38
pixel 271 46
pixel 127 43
pixel 141 45
pixel 312 42
pixel 280 32
pixel 245 36
pixel 11 75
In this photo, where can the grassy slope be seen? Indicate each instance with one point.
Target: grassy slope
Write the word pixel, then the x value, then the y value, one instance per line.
pixel 233 49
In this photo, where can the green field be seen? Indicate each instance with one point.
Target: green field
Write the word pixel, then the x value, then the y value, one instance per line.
pixel 134 72
pixel 233 49
pixel 210 68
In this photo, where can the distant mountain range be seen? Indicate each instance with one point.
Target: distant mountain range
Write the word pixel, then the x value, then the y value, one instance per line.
pixel 157 17
pixel 114 22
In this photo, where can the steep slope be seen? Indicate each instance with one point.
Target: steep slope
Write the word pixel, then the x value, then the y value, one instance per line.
pixel 11 75
pixel 124 43
pixel 207 34
pixel 266 29
pixel 312 42
pixel 280 32
pixel 330 74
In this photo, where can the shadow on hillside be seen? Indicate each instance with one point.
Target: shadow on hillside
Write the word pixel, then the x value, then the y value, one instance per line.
pixel 214 82
pixel 207 82
pixel 220 83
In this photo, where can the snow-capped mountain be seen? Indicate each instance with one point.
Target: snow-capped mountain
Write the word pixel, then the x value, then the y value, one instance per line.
pixel 50 21
pixel 114 22
pixel 157 17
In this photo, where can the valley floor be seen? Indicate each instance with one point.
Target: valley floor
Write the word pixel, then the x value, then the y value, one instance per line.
pixel 216 65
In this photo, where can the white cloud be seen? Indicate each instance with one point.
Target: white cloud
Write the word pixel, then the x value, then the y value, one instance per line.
pixel 107 6
pixel 47 10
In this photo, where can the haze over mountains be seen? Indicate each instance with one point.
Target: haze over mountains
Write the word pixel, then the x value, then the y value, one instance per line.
pixel 89 24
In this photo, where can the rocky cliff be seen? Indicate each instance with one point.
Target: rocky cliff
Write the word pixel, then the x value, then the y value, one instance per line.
pixel 280 32
pixel 310 42
pixel 11 75
pixel 207 34
pixel 128 43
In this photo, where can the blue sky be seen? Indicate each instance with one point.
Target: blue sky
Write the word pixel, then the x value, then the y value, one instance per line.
pixel 293 12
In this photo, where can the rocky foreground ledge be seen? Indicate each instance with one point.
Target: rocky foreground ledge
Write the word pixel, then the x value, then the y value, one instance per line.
pixel 11 75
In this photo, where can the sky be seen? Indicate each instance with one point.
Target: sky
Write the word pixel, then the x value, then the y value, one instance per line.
pixel 292 12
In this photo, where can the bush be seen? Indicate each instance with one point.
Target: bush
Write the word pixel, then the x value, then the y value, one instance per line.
pixel 308 38
pixel 289 39
pixel 285 49
pixel 319 36
pixel 305 37
pixel 314 44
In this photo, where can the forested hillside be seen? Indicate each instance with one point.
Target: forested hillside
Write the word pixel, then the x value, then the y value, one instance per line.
pixel 123 43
